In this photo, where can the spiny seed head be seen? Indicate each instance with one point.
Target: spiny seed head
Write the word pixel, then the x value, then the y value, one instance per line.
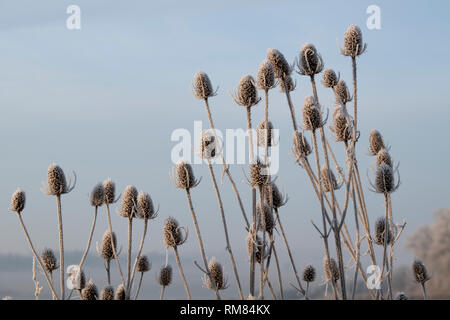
pixel 145 206
pixel 143 265
pixel 110 190
pixel 185 178
pixel 328 179
pixel 107 293
pixel 49 260
pixel 401 296
pixel 262 133
pixel 333 273
pixel 120 293
pixel 266 76
pixel 281 67
pixel 342 92
pixel 173 236
pixel 380 229
pixel 247 94
pixel 376 142
pixel 353 41
pixel 208 145
pixel 56 180
pixel 383 157
pixel 18 201
pixel 267 220
pixel 300 147
pixel 312 116
pixel 106 250
pixel 420 272
pixel 273 196
pixel 310 62
pixel 384 179
pixel 216 271
pixel 129 202
pixel 330 79
pixel 97 195
pixel 203 88
pixel 289 83
pixel 257 246
pixel 89 292
pixel 342 125
pixel 258 178
pixel 165 276
pixel 309 274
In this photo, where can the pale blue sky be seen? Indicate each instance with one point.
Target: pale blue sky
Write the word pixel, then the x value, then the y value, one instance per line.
pixel 104 100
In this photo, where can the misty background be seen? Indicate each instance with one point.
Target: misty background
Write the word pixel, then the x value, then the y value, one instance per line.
pixel 103 101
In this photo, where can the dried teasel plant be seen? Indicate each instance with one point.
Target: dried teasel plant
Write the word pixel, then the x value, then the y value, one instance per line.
pixel 342 125
pixel 329 180
pixel 217 274
pixel 107 293
pixel 384 157
pixel 281 67
pixel 353 42
pixel 208 145
pixel 380 237
pixel 202 87
pixel 143 266
pixel 265 79
pixel 106 251
pixel 262 133
pixel 120 293
pixel 165 278
pixel 331 270
pixel 184 176
pixel 421 275
pixel 309 61
pixel 309 275
pixel 289 84
pixel 384 179
pixel 329 78
pixel 274 197
pixel 89 292
pixel 312 115
pixel 300 146
pixel 342 93
pixel 247 92
pixel 376 142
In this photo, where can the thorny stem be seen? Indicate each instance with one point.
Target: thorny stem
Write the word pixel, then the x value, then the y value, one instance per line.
pixel 130 239
pixel 61 247
pixel 177 257
pixel 200 242
pixel 141 246
pixel 116 257
pixel 225 228
pixel 36 256
pixel 139 286
pixel 89 239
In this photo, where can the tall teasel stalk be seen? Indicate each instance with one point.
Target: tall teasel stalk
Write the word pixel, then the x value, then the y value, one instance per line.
pixel 106 252
pixel 57 186
pixel 208 151
pixel 18 205
pixel 185 179
pixel 143 266
pixel 203 89
pixel 247 96
pixel 165 278
pixel 50 263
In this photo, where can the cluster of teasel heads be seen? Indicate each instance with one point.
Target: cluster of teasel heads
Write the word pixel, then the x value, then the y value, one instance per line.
pixel 263 219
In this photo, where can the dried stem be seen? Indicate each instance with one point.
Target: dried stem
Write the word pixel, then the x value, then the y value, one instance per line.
pixel 139 286
pixel 61 247
pixel 116 257
pixel 177 257
pixel 89 239
pixel 141 247
pixel 130 239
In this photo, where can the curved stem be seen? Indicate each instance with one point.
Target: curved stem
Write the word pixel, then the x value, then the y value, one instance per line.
pixel 139 286
pixel 113 245
pixel 61 247
pixel 89 239
pixel 130 239
pixel 177 257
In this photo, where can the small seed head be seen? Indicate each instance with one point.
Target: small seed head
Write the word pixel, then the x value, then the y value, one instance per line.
pixel 353 41
pixel 173 236
pixel 309 274
pixel 107 293
pixel 143 265
pixel 342 125
pixel 247 95
pixel 106 250
pixel 145 206
pixel 97 195
pixel 384 157
pixel 267 220
pixel 56 180
pixel 312 117
pixel 330 79
pixel 281 67
pixel 165 276
pixel 420 272
pixel 384 179
pixel 49 260
pixel 216 271
pixel 273 196
pixel 258 178
pixel 342 92
pixel 266 76
pixel 257 246
pixel 376 142
pixel 120 293
pixel 380 229
pixel 129 202
pixel 300 148
pixel 185 178
pixel 310 62
pixel 331 270
pixel 203 88
pixel 110 190
pixel 89 292
pixel 18 201
pixel 329 180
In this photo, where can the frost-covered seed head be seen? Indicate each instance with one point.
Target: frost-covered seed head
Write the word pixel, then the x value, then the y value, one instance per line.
pixel 185 178
pixel 110 190
pixel 376 142
pixel 330 79
pixel 145 206
pixel 384 179
pixel 18 201
pixel 106 250
pixel 342 125
pixel 300 147
pixel 49 260
pixel 107 293
pixel 281 67
pixel 309 62
pixel 262 133
pixel 267 218
pixel 173 236
pixel 383 157
pixel 420 272
pixel 266 75
pixel 247 94
pixel 329 184
pixel 129 202
pixel 331 270
pixel 143 265
pixel 89 292
pixel 258 178
pixel 56 180
pixel 309 274
pixel 380 229
pixel 312 116
pixel 257 246
pixel 217 274
pixel 273 196
pixel 342 92
pixel 165 276
pixel 120 293
pixel 203 88
pixel 97 196
pixel 353 41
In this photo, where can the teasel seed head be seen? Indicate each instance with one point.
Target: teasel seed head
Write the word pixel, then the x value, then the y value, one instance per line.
pixel 202 86
pixel 312 116
pixel 401 296
pixel 281 67
pixel 329 184
pixel 120 293
pixel 18 201
pixel 266 76
pixel 143 265
pixel 342 92
pixel 310 61
pixel 289 83
pixel 420 272
pixel 217 274
pixel 258 246
pixel 89 292
pixel 376 142
pixel 273 196
pixel 185 178
pixel 106 251
pixel 342 125
pixel 353 42
pixel 165 276
pixel 129 202
pixel 110 191
pixel 56 181
pixel 384 157
pixel 49 260
pixel 262 133
pixel 266 217
pixel 145 209
pixel 97 197
pixel 384 179
pixel 300 147
pixel 333 273
pixel 173 236
pixel 330 79
pixel 380 229
pixel 247 94
pixel 107 293
pixel 208 145
pixel 258 178
pixel 309 274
